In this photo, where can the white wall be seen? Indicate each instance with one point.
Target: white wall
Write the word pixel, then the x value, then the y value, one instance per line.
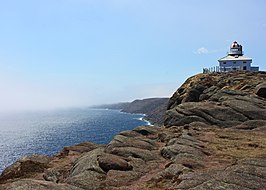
pixel 238 64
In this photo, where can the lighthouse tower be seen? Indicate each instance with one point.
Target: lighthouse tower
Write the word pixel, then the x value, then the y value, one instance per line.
pixel 235 49
pixel 235 60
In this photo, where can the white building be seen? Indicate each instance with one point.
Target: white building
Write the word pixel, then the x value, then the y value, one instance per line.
pixel 235 60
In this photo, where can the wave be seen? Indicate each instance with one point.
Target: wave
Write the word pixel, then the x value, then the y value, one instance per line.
pixel 146 121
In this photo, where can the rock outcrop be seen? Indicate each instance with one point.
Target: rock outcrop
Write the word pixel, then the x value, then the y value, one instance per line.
pixel 223 99
pixel 214 138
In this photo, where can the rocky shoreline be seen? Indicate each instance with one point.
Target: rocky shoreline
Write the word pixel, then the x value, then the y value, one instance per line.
pixel 153 108
pixel 214 137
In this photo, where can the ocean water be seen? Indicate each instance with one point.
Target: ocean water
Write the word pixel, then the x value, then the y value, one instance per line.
pixel 47 133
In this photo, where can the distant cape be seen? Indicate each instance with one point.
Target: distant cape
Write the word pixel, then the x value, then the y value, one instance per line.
pixel 153 108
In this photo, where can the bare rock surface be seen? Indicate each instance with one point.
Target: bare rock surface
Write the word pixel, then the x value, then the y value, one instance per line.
pixel 36 185
pixel 214 138
pixel 223 99
pixel 26 167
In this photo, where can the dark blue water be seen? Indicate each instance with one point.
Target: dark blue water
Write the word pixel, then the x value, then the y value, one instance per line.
pixel 47 133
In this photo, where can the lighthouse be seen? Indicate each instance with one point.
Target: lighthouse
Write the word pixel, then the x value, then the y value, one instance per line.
pixel 235 60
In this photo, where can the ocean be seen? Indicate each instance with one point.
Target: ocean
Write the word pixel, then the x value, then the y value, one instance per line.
pixel 47 132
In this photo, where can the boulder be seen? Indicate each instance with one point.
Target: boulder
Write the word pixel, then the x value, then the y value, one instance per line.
pixel 137 142
pixel 52 175
pixel 260 90
pixel 112 162
pixel 88 162
pixel 86 172
pixel 26 167
pixel 89 180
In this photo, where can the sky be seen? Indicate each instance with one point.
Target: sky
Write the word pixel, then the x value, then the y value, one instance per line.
pixel 70 53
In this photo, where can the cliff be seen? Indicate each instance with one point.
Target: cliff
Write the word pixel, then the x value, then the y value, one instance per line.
pixel 153 108
pixel 214 137
pixel 223 99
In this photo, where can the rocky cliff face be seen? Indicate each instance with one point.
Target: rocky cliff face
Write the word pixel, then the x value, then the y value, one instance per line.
pixel 154 108
pixel 214 138
pixel 223 99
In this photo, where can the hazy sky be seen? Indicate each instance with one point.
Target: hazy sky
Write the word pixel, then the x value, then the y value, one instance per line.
pixel 60 53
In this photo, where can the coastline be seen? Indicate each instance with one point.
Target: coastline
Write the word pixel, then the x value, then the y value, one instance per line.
pixel 148 123
pixel 202 132
pixel 52 152
pixel 143 118
pixel 153 108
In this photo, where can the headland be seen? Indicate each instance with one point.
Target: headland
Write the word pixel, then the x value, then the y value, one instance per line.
pixel 213 137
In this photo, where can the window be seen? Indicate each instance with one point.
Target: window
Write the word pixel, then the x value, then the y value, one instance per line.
pixel 245 68
pixel 234 62
pixel 244 62
pixel 224 62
